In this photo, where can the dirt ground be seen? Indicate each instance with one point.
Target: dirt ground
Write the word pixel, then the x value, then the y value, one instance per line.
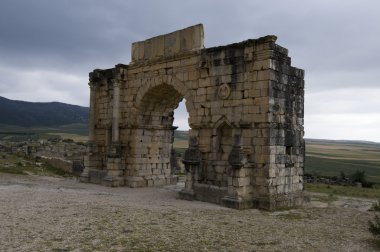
pixel 60 214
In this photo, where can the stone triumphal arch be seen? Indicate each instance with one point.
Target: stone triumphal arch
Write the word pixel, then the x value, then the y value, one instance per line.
pixel 245 105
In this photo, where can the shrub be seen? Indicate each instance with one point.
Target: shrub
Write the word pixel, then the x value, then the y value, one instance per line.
pixel 375 207
pixel 342 175
pixel 374 226
pixel 360 177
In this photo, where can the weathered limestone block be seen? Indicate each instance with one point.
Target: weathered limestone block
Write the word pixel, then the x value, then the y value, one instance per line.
pixel 170 44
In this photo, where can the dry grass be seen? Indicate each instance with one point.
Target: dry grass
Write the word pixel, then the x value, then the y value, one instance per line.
pixel 180 144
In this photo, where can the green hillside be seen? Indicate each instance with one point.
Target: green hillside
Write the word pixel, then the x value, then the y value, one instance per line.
pixel 45 114
pixel 78 132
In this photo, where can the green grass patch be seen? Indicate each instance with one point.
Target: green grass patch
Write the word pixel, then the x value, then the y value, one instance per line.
pixel 330 158
pixel 333 167
pixel 326 198
pixel 180 151
pixel 181 141
pixel 349 191
pixel 13 164
pixel 43 132
pixel 181 135
pixel 13 170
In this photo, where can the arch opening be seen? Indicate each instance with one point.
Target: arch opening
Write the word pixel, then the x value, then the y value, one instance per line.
pixel 153 157
pixel 181 138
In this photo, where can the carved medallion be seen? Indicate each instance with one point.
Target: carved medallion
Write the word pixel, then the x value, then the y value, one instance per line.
pixel 224 91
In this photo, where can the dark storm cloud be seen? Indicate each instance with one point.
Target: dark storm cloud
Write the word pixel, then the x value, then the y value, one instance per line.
pixel 321 35
pixel 55 33
pixel 48 47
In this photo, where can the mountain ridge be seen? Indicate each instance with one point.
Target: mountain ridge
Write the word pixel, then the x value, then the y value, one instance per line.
pixel 31 114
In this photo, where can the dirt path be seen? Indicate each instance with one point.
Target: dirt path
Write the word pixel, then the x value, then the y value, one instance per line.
pixel 58 214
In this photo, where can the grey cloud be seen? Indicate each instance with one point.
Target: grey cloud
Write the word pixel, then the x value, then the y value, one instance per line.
pixel 357 100
pixel 100 32
pixel 338 79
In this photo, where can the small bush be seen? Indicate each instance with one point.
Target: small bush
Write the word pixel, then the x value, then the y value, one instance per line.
pixel 374 226
pixel 342 175
pixel 375 207
pixel 358 177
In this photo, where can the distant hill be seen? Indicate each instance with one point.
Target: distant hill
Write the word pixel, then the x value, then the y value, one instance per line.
pixel 47 114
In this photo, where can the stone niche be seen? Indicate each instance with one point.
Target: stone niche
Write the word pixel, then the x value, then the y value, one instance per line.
pixel 246 107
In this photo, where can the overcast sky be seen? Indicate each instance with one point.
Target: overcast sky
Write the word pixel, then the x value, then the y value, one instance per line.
pixel 48 47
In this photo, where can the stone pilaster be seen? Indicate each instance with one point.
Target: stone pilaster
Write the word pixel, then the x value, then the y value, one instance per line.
pixel 114 166
pixel 237 160
pixel 115 110
pixel 92 111
pixel 91 159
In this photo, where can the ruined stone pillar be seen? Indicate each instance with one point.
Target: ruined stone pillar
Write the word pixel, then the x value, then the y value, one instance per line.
pixel 115 110
pixel 114 149
pixel 92 112
pixel 114 167
pixel 91 159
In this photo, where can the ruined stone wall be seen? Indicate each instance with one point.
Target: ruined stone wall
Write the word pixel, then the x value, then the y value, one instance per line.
pixel 60 163
pixel 287 146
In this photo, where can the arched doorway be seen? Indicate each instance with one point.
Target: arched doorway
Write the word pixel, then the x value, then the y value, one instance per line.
pixel 149 159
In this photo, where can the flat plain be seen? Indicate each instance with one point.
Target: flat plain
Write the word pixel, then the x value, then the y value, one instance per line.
pixel 326 157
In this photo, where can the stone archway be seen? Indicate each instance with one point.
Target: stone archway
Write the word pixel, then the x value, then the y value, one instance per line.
pixel 245 105
pixel 149 159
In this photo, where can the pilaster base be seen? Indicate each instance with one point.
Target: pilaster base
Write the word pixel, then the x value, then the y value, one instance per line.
pixel 113 181
pixel 277 202
pixel 85 176
pixel 204 192
pixel 236 202
pixel 115 172
pixel 174 179
pixel 134 182
pixel 186 194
